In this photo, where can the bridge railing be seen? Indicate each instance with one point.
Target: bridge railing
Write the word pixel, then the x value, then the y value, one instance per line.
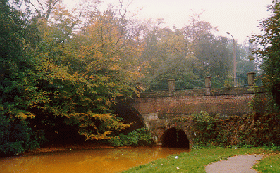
pixel 208 91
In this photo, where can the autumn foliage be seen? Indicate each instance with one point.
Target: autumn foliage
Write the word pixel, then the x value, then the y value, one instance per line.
pixel 62 71
pixel 60 76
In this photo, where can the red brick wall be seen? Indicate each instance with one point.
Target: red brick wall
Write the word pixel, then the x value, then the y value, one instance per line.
pixel 223 104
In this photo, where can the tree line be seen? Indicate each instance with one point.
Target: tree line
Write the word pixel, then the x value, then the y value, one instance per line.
pixel 62 71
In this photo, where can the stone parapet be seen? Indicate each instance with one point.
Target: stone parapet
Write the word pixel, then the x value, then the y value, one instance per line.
pixel 202 92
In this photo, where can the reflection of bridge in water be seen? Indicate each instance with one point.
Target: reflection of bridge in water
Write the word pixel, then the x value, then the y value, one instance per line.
pixel 161 110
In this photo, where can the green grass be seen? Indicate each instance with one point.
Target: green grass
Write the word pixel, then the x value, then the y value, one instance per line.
pixel 196 160
pixel 271 163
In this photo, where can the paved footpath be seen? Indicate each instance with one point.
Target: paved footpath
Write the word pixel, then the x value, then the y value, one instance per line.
pixel 236 164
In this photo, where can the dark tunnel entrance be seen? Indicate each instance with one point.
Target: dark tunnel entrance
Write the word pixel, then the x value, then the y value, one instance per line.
pixel 175 138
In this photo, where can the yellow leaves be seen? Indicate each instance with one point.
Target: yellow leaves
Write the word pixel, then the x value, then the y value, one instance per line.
pixel 25 115
pixel 115 67
pixel 99 99
pixel 86 99
pixel 95 63
pixel 101 130
pixel 103 117
pixel 98 136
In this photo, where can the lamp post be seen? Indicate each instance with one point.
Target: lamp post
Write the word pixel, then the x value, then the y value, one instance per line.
pixel 234 61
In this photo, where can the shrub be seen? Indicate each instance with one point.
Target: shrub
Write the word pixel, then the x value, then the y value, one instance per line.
pixel 247 130
pixel 204 128
pixel 15 136
pixel 138 137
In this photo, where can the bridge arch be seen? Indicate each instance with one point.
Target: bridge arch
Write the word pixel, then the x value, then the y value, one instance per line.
pixel 130 116
pixel 175 138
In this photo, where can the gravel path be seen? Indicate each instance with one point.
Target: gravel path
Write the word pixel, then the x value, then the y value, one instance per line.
pixel 236 164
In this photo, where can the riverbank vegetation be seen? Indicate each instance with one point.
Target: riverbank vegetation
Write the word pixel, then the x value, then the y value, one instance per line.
pixel 197 159
pixel 138 137
pixel 251 130
pixel 62 72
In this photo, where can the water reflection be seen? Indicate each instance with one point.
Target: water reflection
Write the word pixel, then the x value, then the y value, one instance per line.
pixel 86 161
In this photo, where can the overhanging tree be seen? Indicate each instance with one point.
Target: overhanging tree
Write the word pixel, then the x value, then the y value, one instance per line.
pixel 15 88
pixel 81 73
pixel 269 50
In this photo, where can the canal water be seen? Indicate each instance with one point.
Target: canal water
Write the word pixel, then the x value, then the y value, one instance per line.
pixel 85 161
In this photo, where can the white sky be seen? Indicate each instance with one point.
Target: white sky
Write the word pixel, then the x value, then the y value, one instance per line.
pixel 239 17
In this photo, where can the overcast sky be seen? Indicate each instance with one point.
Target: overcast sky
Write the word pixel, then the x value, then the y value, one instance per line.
pixel 239 17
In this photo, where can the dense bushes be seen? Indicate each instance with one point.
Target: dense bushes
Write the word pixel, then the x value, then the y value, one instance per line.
pixel 248 130
pixel 138 137
pixel 15 136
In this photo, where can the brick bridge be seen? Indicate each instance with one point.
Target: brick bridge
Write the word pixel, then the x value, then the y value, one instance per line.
pixel 161 110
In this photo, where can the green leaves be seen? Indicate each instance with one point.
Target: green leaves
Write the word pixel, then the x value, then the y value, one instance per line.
pixel 188 55
pixel 98 126
pixel 269 51
pixel 54 77
pixel 15 136
pixel 138 137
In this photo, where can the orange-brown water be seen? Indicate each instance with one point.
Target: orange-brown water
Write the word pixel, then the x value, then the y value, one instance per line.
pixel 85 161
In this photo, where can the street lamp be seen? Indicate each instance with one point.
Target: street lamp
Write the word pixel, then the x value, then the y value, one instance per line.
pixel 234 61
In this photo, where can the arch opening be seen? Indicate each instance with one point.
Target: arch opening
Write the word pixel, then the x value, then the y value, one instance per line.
pixel 130 116
pixel 175 138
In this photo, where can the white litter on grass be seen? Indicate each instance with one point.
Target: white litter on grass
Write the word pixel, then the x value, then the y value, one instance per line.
pixel 176 157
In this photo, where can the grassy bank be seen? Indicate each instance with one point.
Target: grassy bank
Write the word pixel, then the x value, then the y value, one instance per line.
pixel 271 163
pixel 197 159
